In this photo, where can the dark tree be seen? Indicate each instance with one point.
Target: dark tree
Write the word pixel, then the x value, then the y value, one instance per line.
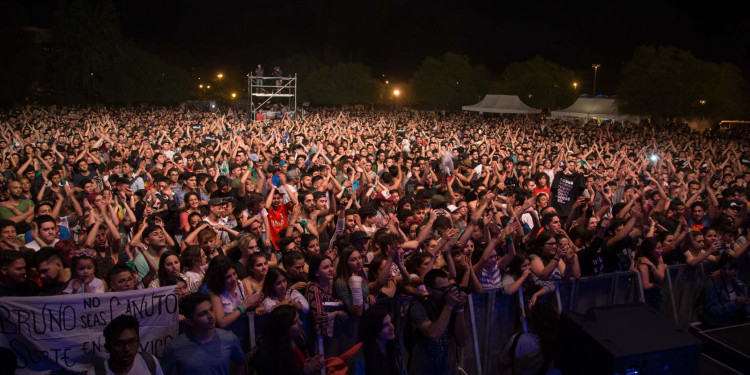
pixel 448 82
pixel 540 83
pixel 668 82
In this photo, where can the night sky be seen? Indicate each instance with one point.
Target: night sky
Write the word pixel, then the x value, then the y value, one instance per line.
pixel 393 37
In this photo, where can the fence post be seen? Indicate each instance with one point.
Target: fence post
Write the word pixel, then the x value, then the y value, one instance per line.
pixel 474 333
pixel 522 306
pixel 573 292
pixel 489 320
pixel 253 338
pixel 639 285
pixel 671 296
pixel 321 350
pixel 614 288
pixel 557 296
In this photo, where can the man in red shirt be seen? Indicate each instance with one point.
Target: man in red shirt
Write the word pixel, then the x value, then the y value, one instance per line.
pixel 278 216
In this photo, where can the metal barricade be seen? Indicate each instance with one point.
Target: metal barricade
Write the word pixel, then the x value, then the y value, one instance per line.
pixel 603 290
pixel 683 287
pixel 493 317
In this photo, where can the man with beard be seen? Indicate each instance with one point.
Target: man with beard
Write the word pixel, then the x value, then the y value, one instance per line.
pixel 278 216
pixel 53 274
pixel 16 208
pixel 307 211
pixel 13 281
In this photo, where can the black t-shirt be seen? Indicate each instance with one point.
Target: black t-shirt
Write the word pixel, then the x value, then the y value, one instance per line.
pixel 79 177
pixel 590 259
pixel 667 222
pixel 26 289
pixel 232 193
pixel 565 190
pixel 511 183
pixel 618 257
pixel 411 186
pixel 52 289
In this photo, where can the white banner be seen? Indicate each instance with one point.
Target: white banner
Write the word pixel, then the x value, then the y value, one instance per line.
pixel 65 333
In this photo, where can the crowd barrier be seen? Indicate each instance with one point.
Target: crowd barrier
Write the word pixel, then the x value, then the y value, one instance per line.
pixel 493 317
pixel 683 289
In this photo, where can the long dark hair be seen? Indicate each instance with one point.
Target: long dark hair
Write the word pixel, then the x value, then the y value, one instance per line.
pixel 250 264
pixel 190 256
pixel 274 341
pixel 272 276
pixel 542 239
pixel 377 362
pixel 343 271
pixel 514 269
pixel 162 273
pixel 544 321
pixel 315 266
pixel 215 273
pixel 647 248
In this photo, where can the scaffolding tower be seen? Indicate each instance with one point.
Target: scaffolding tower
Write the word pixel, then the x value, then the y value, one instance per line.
pixel 263 90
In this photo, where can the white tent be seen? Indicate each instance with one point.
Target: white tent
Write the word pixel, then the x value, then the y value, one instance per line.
pixel 500 104
pixel 588 108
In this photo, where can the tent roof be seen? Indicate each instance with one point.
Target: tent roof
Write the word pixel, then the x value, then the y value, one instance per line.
pixel 500 104
pixel 588 108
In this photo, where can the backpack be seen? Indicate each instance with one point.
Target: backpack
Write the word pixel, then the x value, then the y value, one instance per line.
pixel 148 358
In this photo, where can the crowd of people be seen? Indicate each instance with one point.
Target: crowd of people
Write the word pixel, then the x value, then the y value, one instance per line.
pixel 325 216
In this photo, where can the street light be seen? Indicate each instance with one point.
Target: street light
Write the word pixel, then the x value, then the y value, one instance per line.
pixel 219 76
pixel 234 95
pixel 200 86
pixel 208 87
pixel 596 68
pixel 396 92
pixel 575 85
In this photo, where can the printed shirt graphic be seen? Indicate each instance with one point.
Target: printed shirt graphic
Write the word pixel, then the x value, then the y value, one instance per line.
pixel 278 219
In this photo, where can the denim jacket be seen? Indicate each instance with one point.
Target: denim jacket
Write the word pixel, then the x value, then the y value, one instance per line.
pixel 719 310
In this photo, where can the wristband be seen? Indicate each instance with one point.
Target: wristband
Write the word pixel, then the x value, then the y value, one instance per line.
pixel 556 258
pixel 241 309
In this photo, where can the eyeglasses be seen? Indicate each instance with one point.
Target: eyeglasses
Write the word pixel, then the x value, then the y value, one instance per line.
pixel 126 281
pixel 122 343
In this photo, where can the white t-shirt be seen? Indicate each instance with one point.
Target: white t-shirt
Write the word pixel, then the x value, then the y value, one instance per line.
pixel 33 245
pixel 139 367
pixel 285 198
